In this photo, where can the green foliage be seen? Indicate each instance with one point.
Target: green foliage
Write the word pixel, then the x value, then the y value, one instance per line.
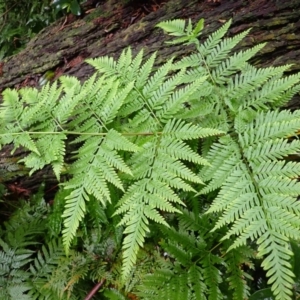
pixel 33 263
pixel 186 161
pixel 22 20
pixel 70 5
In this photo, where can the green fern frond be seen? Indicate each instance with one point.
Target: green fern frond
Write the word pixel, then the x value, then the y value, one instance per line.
pixel 192 275
pixel 113 294
pixel 278 168
pixel 136 230
pixel 163 92
pixel 286 96
pixel 276 263
pixel 110 110
pixel 185 32
pixel 236 261
pixel 42 267
pixel 73 214
pixel 274 90
pixel 39 111
pixel 224 159
pixel 55 221
pixel 19 291
pixel 11 109
pixel 189 220
pixel 179 129
pixel 26 141
pixel 175 103
pixel 233 64
pixel 71 98
pixel 241 86
pixel 145 71
pixel 174 27
pixel 49 255
pixel 104 64
pixel 214 39
pixel 195 278
pixel 212 275
pixel 252 200
pixel 220 52
pixel 51 151
pixel 154 81
pixel 124 61
pixel 135 66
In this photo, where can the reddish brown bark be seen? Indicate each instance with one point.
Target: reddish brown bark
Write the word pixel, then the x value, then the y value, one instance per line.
pixel 112 26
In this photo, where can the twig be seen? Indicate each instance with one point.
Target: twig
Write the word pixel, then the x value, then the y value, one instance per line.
pixel 94 290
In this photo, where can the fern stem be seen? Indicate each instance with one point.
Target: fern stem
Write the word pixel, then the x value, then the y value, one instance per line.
pixel 197 43
pixel 94 290
pixel 146 101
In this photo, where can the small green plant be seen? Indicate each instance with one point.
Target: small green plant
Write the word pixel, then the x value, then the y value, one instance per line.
pixel 187 159
pixel 72 6
pixel 21 20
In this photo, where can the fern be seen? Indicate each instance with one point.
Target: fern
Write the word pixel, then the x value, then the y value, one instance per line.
pixel 249 197
pixel 144 141
pixel 33 267
pixel 190 268
pixel 259 205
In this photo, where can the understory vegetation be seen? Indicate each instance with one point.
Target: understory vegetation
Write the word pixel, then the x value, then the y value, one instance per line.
pixel 175 182
pixel 20 21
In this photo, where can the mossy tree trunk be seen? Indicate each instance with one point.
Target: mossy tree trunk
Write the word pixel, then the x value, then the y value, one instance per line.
pixel 116 24
pixel 112 26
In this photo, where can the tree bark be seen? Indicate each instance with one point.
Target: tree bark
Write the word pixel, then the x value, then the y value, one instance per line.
pixel 112 26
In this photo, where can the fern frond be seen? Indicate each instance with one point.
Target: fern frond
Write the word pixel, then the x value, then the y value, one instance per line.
pixel 51 151
pixel 221 51
pixel 270 125
pixel 73 214
pixel 26 141
pixel 173 27
pixel 145 71
pixel 35 114
pixel 47 256
pixel 104 64
pixel 154 82
pixel 175 103
pixel 236 261
pixel 134 160
pixel 113 294
pixel 224 159
pixel 251 200
pixel 243 85
pixel 212 276
pixel 276 263
pixel 274 90
pixel 195 277
pixel 233 64
pixel 179 129
pixel 124 61
pixel 136 230
pixel 214 39
pixel 71 98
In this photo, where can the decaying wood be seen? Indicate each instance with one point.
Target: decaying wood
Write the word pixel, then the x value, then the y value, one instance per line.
pixel 112 26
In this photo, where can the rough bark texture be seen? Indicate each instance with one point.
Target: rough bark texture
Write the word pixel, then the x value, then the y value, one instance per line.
pixel 110 27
